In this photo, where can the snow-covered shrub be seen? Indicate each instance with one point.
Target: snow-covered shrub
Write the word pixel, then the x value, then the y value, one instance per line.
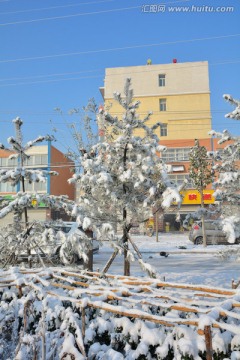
pixel 227 189
pixel 47 314
pixel 34 241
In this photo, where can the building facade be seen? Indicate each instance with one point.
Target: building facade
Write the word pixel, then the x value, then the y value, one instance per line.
pixel 45 157
pixel 178 95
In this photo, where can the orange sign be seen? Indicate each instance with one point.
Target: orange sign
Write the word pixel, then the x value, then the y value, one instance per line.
pixel 34 202
pixel 192 197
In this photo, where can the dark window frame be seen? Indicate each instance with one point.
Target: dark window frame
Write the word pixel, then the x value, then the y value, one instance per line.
pixel 162 80
pixel 163 104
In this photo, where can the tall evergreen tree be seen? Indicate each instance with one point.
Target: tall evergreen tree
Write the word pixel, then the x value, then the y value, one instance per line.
pixel 201 174
pixel 24 236
pixel 123 177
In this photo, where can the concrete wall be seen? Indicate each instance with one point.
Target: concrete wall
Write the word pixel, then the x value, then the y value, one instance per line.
pixel 186 92
pixel 181 78
pixel 38 150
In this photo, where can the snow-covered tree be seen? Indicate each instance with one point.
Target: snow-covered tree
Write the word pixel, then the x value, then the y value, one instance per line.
pixel 82 132
pixel 123 177
pixel 21 174
pixel 24 236
pixel 235 114
pixel 227 185
pixel 201 175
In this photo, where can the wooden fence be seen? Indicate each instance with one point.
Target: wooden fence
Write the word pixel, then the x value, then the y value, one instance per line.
pixel 198 300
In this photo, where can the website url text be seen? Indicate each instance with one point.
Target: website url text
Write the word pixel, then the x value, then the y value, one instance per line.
pixel 161 8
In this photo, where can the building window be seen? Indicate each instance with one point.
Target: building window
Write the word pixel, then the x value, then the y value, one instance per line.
pixel 36 186
pixel 37 160
pixel 161 80
pixel 163 104
pixel 40 159
pixel 29 161
pixel 176 154
pixel 163 130
pixel 179 179
pixel 6 187
pixel 9 163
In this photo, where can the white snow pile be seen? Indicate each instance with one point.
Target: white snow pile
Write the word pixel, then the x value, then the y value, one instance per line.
pixel 58 314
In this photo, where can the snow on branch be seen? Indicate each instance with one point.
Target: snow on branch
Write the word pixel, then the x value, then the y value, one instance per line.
pixel 15 175
pixel 37 140
pixel 235 114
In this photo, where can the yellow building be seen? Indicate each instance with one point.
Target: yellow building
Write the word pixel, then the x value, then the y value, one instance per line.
pixel 178 95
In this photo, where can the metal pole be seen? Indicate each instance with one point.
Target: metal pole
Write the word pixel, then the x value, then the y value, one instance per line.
pixel 156 226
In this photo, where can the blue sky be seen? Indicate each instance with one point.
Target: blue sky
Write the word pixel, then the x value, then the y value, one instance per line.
pixel 54 53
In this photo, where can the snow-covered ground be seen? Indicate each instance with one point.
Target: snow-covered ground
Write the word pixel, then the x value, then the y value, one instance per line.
pixel 194 264
pixel 107 318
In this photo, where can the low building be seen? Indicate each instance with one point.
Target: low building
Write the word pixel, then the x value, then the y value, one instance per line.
pixel 177 158
pixel 45 157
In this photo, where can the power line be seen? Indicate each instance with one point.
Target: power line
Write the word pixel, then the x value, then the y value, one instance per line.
pixel 119 48
pixel 53 7
pixel 190 126
pixel 193 112
pixel 50 75
pixel 51 81
pixel 69 16
pixel 226 62
pixel 82 14
pixel 90 77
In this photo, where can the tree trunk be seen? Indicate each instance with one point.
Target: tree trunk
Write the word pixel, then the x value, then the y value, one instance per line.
pixel 89 264
pixel 156 225
pixel 125 229
pixel 110 261
pixel 26 218
pixel 203 222
pixel 125 244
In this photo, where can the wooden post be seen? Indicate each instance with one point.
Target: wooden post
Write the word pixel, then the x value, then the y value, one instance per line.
pixel 43 334
pixel 83 322
pixel 235 284
pixel 20 293
pixel 135 247
pixel 208 341
pixel 110 261
pixel 156 226
pixel 203 221
pixel 89 264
